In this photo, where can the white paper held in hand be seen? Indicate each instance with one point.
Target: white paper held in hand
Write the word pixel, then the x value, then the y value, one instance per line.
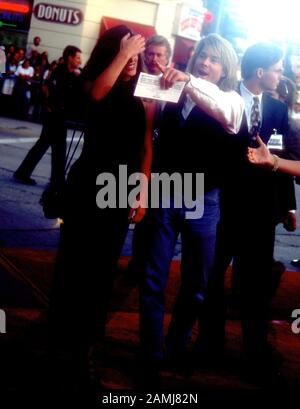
pixel 148 86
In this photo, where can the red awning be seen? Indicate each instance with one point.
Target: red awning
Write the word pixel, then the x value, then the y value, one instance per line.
pixel 109 22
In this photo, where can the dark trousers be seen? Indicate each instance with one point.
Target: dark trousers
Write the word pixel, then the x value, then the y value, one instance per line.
pixel 86 263
pixel 251 244
pixel 54 134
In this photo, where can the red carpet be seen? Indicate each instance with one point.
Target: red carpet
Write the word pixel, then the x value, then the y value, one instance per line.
pixel 25 327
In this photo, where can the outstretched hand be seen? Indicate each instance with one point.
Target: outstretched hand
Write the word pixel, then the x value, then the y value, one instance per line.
pixel 132 45
pixel 171 75
pixel 261 155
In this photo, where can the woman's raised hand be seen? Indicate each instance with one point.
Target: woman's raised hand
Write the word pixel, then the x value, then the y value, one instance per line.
pixel 132 45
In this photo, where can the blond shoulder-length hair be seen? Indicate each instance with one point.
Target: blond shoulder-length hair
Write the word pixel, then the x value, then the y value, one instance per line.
pixel 228 59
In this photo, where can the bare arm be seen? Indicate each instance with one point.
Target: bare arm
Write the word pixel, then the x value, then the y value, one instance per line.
pixel 289 166
pixel 147 148
pixel 129 47
pixel 146 163
pixel 261 156
pixel 225 107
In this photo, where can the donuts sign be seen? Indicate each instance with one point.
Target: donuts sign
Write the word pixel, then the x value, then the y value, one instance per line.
pixel 58 14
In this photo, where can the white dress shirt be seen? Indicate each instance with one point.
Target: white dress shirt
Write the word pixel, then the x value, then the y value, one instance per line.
pixel 227 107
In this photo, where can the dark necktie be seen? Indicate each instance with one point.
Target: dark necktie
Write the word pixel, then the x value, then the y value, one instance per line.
pixel 255 117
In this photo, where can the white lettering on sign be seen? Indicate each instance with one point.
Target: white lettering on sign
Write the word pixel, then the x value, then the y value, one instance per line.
pixel 58 14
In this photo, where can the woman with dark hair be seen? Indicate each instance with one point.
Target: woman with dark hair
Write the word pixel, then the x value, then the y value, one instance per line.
pixel 92 235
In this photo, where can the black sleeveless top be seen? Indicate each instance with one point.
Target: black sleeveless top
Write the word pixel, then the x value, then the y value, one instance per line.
pixel 114 136
pixel 115 131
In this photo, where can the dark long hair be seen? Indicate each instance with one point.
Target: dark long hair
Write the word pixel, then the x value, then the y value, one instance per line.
pixel 105 51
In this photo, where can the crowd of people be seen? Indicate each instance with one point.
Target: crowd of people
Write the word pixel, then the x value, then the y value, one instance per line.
pixel 219 128
pixel 23 76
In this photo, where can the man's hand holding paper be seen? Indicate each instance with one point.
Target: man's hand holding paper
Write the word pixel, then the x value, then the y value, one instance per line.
pixel 165 87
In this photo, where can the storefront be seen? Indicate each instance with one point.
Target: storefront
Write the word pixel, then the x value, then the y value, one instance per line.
pixel 145 16
pixel 63 22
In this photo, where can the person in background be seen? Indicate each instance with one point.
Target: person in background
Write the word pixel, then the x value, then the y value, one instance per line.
pixel 35 98
pixel 60 60
pixel 22 89
pixel 43 61
pixel 158 50
pixel 21 55
pixel 63 102
pixel 34 59
pixel 47 74
pixel 34 47
pixel 12 62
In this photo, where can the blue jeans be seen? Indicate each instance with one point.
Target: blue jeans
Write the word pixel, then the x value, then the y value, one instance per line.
pixel 198 253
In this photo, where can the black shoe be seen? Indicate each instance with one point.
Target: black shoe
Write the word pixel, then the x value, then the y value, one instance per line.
pixel 296 262
pixel 26 180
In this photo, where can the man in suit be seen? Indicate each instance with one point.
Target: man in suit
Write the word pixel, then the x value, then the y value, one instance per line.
pixel 254 201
